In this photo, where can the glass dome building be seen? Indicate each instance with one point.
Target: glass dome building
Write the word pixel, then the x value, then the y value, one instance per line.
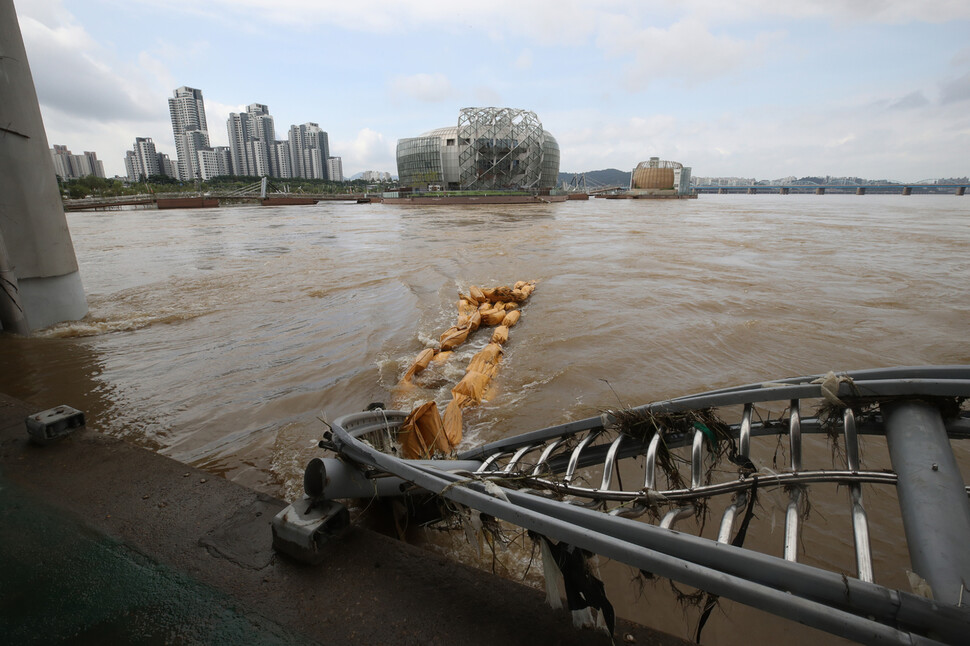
pixel 497 149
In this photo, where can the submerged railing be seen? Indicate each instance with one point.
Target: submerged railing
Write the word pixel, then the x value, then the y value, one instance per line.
pixel 562 484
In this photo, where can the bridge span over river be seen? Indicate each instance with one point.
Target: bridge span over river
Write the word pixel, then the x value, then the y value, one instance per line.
pixel 821 189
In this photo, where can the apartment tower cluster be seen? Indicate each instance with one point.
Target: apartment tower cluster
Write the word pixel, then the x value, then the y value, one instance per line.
pixel 67 165
pixel 253 149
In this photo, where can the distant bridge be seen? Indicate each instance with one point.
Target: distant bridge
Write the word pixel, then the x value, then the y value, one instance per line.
pixel 820 189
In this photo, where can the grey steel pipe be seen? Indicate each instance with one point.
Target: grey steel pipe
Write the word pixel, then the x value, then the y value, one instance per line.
pixel 932 497
pixel 792 514
pixel 333 479
pixel 860 521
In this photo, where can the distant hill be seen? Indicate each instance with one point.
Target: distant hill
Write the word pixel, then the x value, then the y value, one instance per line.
pixel 594 178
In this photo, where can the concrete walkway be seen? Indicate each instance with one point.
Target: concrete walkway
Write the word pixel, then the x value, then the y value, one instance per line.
pixel 105 542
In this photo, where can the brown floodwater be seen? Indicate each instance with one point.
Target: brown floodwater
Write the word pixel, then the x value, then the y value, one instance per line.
pixel 223 337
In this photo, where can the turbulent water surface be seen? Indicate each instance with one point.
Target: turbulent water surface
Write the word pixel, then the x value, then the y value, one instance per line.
pixel 222 337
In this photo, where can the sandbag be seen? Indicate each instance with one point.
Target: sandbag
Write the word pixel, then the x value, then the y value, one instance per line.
pixel 419 364
pixel 511 318
pixel 500 335
pixel 428 422
pixel 485 305
pixel 483 365
pixel 447 333
pixel 493 317
pixel 486 360
pixel 466 307
pixel 463 400
pixel 451 421
pixel 511 306
pixel 472 386
pixel 462 320
pixel 519 284
pixel 455 339
pixel 503 294
pixel 492 352
pixel 476 294
pixel 441 357
pixel 474 321
pixel 413 446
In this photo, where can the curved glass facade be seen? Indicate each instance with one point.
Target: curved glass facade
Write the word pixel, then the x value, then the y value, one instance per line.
pixel 419 162
pixel 550 162
pixel 490 149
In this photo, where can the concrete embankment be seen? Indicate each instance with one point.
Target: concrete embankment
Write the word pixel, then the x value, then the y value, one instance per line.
pixel 105 542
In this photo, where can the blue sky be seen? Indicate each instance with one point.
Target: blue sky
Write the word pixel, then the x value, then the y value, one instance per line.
pixel 751 88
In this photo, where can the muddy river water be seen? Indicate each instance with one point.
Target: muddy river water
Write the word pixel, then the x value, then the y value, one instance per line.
pixel 221 337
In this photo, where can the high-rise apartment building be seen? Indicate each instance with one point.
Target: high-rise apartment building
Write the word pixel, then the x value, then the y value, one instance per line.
pixel 335 168
pixel 252 142
pixel 143 161
pixel 239 150
pixel 255 151
pixel 165 166
pixel 70 166
pixel 190 130
pixel 309 151
pixel 215 162
pixel 284 169
pixel 263 133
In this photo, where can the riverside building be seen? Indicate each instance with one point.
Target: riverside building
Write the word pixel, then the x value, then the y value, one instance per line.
pixel 190 129
pixel 143 161
pixel 70 166
pixel 490 149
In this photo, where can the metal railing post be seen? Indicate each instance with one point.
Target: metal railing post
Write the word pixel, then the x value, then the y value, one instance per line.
pixel 932 497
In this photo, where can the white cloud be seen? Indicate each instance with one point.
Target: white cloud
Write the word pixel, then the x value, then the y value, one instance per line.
pixel 485 95
pixel 686 51
pixel 836 11
pixel 524 61
pixel 955 90
pixel 370 150
pixel 428 88
pixel 71 75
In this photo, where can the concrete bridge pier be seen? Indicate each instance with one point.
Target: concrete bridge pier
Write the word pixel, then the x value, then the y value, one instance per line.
pixel 820 191
pixel 861 190
pixel 961 190
pixel 784 190
pixel 42 273
pixel 907 190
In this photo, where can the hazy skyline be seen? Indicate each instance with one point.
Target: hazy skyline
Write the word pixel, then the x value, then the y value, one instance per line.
pixel 879 89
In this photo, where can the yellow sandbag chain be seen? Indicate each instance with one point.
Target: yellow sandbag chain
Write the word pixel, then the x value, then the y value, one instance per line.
pixel 425 431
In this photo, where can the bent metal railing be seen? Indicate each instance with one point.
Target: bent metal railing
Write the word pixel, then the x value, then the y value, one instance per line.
pixel 542 481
